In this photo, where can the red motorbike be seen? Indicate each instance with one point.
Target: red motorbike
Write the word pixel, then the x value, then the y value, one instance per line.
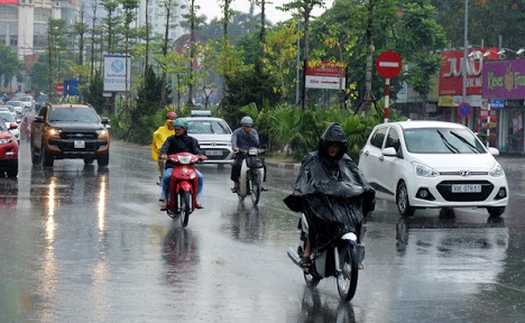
pixel 184 183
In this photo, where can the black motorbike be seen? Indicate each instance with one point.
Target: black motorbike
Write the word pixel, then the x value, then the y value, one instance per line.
pixel 340 257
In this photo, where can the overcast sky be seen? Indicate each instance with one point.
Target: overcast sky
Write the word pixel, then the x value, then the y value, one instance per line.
pixel 212 10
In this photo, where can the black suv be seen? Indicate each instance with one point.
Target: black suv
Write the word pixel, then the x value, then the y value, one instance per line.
pixel 69 131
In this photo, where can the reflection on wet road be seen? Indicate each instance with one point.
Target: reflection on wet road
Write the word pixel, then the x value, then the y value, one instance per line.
pixel 87 244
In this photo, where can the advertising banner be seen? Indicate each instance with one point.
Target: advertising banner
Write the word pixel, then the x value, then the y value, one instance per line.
pixel 504 79
pixel 326 75
pixel 115 75
pixel 451 72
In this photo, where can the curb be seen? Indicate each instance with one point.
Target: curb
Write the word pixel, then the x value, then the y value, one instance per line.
pixel 284 165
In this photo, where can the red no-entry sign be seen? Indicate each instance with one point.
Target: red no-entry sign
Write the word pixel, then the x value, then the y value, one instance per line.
pixel 59 87
pixel 388 64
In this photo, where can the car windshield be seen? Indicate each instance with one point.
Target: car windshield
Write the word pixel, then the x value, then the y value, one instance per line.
pixel 7 117
pixel 217 127
pixel 15 103
pixel 442 141
pixel 72 115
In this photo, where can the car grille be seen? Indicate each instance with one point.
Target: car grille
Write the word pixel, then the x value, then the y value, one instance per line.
pixel 78 135
pixel 445 189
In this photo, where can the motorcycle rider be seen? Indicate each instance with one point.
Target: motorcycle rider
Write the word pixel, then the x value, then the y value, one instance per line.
pixel 243 138
pixel 330 191
pixel 159 137
pixel 179 142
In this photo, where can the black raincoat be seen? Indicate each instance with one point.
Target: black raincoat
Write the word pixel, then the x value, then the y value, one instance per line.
pixel 331 191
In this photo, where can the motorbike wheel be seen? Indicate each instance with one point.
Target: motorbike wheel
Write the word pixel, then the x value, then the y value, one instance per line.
pixel 255 188
pixel 185 204
pixel 347 278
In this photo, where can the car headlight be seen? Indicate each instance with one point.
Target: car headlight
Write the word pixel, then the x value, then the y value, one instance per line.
pixel 496 171
pixel 54 131
pixel 102 132
pixel 424 171
pixel 5 141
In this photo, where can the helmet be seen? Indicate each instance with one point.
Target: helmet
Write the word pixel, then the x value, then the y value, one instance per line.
pixel 179 123
pixel 247 121
pixel 171 115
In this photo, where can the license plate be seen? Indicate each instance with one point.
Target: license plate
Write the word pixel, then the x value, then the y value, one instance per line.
pixel 213 153
pixel 466 188
pixel 80 144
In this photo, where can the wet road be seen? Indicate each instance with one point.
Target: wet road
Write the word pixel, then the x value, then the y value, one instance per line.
pixel 83 244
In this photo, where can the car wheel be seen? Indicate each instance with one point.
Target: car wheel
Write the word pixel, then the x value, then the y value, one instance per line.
pixel 47 158
pixel 13 170
pixel 496 211
pixel 103 160
pixel 35 159
pixel 403 206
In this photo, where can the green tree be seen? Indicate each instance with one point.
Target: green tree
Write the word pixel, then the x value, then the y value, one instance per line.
pixel 140 129
pixel 93 94
pixel 10 66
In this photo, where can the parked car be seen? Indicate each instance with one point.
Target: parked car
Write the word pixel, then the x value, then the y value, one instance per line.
pixel 67 131
pixel 214 136
pixel 8 151
pixel 433 164
pixel 17 106
pixel 9 120
pixel 25 127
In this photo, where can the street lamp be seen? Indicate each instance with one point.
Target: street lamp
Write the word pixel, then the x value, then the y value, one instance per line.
pixel 465 55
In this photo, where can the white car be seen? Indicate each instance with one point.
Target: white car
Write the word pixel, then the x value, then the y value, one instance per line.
pixel 433 164
pixel 9 119
pixel 28 103
pixel 214 136
pixel 11 110
pixel 16 105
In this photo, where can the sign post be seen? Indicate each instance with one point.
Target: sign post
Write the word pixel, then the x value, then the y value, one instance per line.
pixel 388 65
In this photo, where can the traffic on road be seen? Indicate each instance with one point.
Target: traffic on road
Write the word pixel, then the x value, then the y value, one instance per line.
pixel 84 243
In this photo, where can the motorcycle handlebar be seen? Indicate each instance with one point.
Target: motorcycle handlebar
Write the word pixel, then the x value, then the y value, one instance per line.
pixel 260 151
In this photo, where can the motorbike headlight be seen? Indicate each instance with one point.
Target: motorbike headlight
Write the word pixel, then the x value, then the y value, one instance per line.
pixel 253 151
pixel 184 160
pixel 424 171
pixel 496 171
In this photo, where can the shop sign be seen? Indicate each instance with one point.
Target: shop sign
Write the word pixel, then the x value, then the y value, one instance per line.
pixel 451 72
pixel 504 80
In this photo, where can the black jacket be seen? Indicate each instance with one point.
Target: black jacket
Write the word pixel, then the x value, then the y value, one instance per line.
pixel 331 191
pixel 177 144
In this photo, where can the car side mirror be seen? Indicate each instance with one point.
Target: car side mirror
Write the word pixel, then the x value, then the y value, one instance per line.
pixel 105 122
pixel 39 119
pixel 390 152
pixel 493 151
pixel 13 126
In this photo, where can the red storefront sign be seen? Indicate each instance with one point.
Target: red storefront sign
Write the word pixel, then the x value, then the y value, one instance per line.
pixel 451 73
